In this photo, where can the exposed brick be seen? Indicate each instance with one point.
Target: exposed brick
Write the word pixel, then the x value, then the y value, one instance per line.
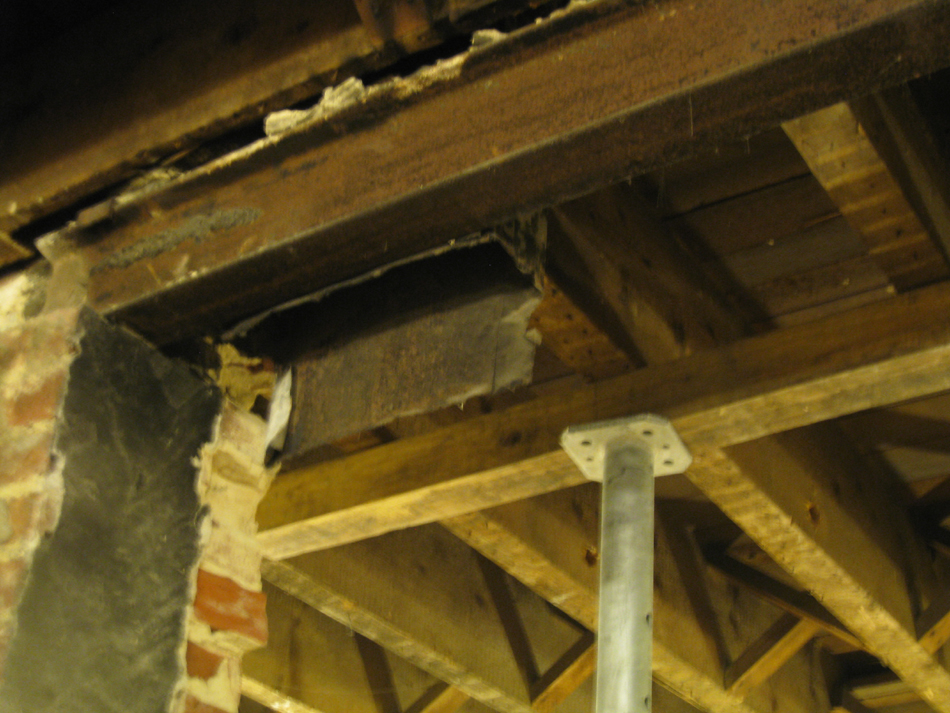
pixel 231 554
pixel 12 577
pixel 40 403
pixel 193 705
pixel 224 605
pixel 200 662
pixel 24 454
pixel 232 504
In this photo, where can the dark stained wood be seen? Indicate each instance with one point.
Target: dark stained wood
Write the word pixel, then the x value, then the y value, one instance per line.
pixel 909 147
pixel 612 248
pixel 96 104
pixel 637 86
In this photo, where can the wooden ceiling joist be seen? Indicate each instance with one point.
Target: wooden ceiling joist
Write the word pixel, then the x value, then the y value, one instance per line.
pixel 805 501
pixel 549 543
pixel 883 353
pixel 387 590
pixel 235 237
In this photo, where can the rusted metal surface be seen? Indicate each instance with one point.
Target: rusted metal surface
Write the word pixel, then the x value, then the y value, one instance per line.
pixel 560 108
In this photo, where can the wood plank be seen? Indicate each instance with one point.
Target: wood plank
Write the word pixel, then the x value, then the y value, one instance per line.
pixel 891 351
pixel 933 625
pixel 767 654
pixel 611 248
pixel 684 74
pixel 546 543
pixel 842 157
pixel 842 535
pixel 310 662
pixel 797 603
pixel 562 679
pixel 419 593
pixel 731 169
pixel 755 217
pixel 441 698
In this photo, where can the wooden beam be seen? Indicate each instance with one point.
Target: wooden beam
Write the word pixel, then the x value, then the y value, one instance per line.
pixel 883 353
pixel 801 496
pixel 441 698
pixel 310 663
pixel 108 97
pixel 768 653
pixel 562 679
pixel 611 248
pixel 421 594
pixel 933 625
pixel 842 157
pixel 797 603
pixel 635 86
pixel 905 141
pixel 547 544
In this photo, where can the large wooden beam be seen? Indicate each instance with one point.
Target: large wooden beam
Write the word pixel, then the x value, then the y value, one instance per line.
pixel 877 354
pixel 93 105
pixel 634 85
pixel 806 501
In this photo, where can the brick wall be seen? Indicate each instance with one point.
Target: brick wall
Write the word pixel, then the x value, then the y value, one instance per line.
pixel 35 355
pixel 228 617
pixel 227 614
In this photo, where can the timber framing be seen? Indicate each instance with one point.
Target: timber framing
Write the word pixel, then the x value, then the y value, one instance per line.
pixel 447 561
pixel 223 243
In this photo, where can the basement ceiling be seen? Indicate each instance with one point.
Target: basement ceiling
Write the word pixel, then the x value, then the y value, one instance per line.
pixel 746 224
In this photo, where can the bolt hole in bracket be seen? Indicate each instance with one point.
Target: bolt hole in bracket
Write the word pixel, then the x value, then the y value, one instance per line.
pixel 587 444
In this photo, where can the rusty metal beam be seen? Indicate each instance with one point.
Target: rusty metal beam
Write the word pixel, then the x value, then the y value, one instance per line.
pixel 598 93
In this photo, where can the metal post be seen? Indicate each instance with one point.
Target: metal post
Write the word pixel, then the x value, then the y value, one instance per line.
pixel 626 455
pixel 625 645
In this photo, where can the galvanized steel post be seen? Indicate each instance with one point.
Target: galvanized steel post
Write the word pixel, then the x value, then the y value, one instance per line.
pixel 626 455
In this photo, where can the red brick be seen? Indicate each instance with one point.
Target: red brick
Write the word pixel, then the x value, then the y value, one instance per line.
pixel 201 663
pixel 224 605
pixel 39 404
pixel 193 705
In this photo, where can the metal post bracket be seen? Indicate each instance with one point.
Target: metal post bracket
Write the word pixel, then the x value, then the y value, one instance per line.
pixel 587 444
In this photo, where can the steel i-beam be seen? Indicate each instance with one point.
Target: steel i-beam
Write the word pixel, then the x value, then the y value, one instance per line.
pixel 625 455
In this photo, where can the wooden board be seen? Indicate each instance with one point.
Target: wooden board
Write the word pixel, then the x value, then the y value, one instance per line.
pixel 366 207
pixel 884 353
